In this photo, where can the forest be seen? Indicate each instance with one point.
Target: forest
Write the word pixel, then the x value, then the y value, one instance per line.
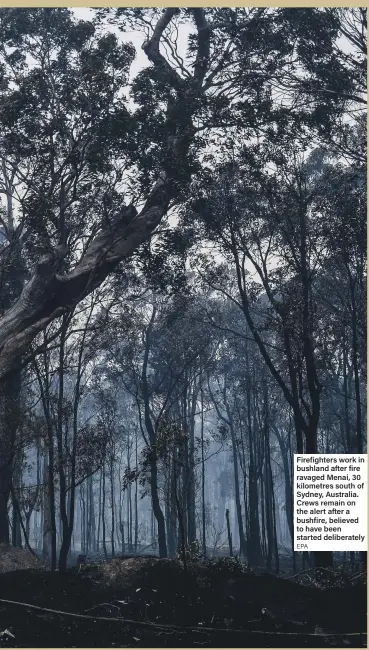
pixel 182 309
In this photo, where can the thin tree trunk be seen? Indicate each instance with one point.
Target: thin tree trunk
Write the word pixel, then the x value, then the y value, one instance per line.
pixel 355 350
pixel 16 515
pixel 99 513
pixel 152 437
pixel 203 511
pixel 229 534
pixel 9 422
pixel 112 508
pixel 103 513
pixel 136 495
pixel 92 518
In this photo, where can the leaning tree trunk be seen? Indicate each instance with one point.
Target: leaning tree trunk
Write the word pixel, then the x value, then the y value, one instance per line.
pixel 49 294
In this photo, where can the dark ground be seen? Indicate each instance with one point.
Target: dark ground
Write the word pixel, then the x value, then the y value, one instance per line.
pixel 223 604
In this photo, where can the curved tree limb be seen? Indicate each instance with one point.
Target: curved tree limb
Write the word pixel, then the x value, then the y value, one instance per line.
pixel 166 626
pixel 151 47
pixel 48 294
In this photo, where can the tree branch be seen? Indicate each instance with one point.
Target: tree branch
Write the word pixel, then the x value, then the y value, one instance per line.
pixel 203 48
pixel 48 295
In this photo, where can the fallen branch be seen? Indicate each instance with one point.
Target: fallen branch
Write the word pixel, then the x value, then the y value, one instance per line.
pixel 102 605
pixel 357 575
pixel 318 568
pixel 165 626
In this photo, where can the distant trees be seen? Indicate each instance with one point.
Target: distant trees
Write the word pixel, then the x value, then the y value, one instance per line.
pixel 159 362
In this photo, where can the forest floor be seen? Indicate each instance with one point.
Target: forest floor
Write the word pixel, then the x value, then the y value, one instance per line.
pixel 148 602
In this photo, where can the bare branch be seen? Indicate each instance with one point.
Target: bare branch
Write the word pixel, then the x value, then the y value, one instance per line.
pixel 151 47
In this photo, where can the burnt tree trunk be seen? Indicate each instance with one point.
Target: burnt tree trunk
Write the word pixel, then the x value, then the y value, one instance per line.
pixel 9 422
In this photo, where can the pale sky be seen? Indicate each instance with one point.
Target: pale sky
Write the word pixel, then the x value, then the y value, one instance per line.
pixel 137 39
